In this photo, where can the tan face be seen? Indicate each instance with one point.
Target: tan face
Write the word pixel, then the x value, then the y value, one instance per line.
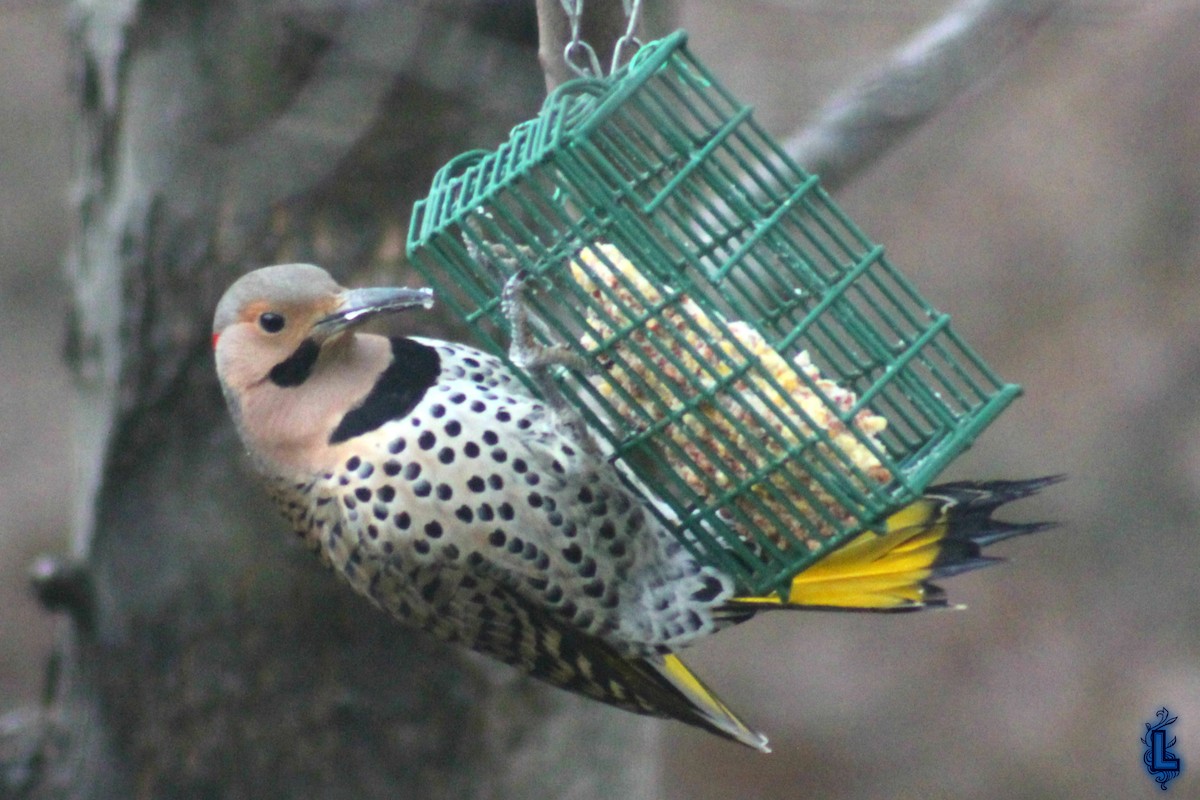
pixel 291 365
pixel 265 317
pixel 264 336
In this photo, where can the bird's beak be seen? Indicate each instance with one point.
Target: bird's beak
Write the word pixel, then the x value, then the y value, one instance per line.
pixel 360 305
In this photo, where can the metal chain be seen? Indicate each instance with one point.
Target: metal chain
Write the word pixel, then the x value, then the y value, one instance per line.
pixel 580 56
pixel 633 12
pixel 577 47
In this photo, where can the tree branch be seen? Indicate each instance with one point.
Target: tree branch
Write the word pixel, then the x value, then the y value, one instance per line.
pixel 964 47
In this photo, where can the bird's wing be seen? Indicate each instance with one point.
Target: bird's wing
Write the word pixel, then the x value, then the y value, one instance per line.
pixel 512 630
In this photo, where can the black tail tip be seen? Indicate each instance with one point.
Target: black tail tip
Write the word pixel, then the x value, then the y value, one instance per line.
pixel 992 494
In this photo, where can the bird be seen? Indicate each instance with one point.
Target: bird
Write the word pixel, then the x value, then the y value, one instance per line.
pixel 427 476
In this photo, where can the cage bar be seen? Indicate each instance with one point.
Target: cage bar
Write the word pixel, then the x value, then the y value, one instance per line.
pixel 754 356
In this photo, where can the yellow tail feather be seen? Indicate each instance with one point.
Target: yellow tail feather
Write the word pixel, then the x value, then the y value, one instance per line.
pixel 890 569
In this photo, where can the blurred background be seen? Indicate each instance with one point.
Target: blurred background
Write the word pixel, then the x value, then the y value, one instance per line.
pixel 1054 212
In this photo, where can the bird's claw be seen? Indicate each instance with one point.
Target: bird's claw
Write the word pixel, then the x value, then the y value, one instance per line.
pixel 525 350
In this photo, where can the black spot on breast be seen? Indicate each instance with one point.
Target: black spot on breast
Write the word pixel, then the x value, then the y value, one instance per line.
pixel 295 369
pixel 712 587
pixel 414 368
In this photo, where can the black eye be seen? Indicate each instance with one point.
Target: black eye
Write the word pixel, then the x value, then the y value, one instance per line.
pixel 271 322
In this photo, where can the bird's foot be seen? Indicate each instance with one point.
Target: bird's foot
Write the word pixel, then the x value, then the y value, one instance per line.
pixel 539 360
pixel 525 350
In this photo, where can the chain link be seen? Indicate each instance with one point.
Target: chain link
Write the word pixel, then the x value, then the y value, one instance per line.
pixel 633 12
pixel 581 57
pixel 577 48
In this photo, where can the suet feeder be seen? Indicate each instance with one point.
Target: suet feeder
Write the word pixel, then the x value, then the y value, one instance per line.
pixel 754 362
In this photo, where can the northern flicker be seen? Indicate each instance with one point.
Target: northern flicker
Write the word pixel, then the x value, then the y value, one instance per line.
pixel 430 479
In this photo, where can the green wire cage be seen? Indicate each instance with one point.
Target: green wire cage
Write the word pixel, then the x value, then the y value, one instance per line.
pixel 751 356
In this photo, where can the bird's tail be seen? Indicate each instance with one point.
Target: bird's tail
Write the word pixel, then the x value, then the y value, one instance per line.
pixel 892 569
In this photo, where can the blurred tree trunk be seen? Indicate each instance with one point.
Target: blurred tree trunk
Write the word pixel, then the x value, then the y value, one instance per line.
pixel 209 656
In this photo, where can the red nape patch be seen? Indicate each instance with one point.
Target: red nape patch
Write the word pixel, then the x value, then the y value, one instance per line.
pixel 215 337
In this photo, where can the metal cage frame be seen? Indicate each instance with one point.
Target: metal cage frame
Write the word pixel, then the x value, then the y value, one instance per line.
pixel 705 234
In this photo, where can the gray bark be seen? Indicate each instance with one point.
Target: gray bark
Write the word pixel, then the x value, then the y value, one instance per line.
pixel 210 656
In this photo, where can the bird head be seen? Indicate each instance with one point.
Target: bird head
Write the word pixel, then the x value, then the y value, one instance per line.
pixel 286 353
